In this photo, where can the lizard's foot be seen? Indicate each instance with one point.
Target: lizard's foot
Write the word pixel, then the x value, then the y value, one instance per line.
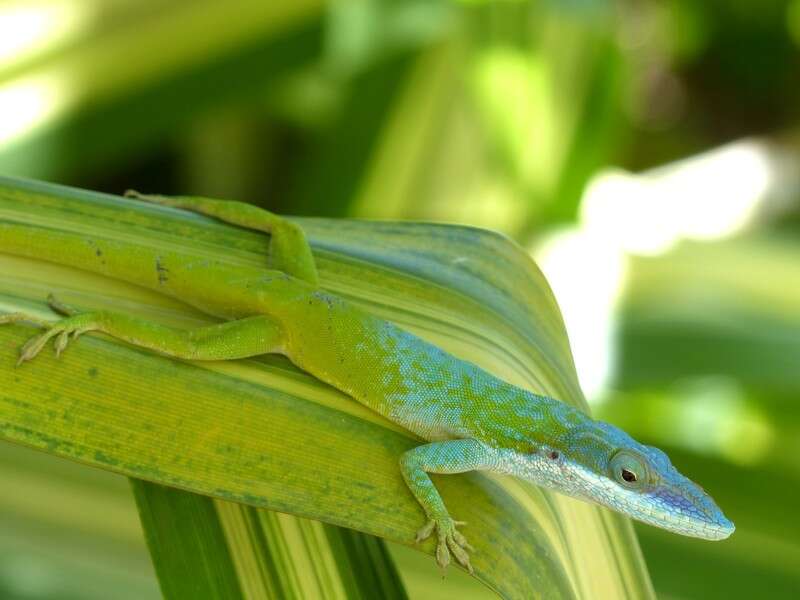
pixel 61 330
pixel 449 540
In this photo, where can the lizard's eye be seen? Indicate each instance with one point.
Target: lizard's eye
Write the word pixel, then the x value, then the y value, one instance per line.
pixel 628 470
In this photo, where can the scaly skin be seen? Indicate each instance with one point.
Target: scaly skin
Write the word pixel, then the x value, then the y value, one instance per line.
pixel 471 419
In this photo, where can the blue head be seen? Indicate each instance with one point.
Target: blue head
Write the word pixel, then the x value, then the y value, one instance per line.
pixel 604 464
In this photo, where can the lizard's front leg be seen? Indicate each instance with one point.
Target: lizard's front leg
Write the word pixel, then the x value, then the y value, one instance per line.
pixel 450 456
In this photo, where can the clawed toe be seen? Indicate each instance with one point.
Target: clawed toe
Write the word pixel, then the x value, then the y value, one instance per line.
pixel 459 551
pixel 61 342
pixel 32 347
pixel 73 326
pixel 17 317
pixel 449 541
pixel 425 531
pixel 57 306
pixel 461 540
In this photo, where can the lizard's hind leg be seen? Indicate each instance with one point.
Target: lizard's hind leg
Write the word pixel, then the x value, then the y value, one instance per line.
pixel 288 248
pixel 233 339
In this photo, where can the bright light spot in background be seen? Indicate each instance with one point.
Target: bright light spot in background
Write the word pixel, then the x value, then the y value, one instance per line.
pixel 26 104
pixel 28 28
pixel 586 275
pixel 710 196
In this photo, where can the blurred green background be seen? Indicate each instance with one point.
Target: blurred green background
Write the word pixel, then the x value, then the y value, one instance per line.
pixel 646 152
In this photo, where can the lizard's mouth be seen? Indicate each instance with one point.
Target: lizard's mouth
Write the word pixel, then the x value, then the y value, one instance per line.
pixel 722 531
pixel 718 529
pixel 686 509
pixel 678 505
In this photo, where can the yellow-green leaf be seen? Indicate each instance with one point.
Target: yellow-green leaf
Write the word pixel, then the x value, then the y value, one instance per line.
pixel 262 433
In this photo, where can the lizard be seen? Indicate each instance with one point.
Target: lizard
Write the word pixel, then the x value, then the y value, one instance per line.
pixel 469 419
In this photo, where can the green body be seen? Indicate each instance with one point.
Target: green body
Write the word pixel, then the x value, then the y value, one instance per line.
pixel 471 419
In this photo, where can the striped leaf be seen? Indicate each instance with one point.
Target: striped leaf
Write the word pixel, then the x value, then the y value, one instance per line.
pixel 260 433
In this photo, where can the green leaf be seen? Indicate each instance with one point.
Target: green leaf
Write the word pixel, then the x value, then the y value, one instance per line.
pixel 207 548
pixel 180 547
pixel 260 432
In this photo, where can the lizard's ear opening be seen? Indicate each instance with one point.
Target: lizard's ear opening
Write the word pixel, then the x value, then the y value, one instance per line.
pixel 629 470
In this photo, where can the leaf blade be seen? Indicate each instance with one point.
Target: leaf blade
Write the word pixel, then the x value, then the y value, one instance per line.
pixel 261 433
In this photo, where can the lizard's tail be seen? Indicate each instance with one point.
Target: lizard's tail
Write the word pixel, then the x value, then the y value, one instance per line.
pixel 209 284
pixel 119 260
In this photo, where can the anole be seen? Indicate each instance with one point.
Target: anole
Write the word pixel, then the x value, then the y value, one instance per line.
pixel 470 419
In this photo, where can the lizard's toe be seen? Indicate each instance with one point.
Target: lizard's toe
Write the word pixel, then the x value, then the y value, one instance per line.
pixel 57 306
pixel 462 541
pixel 458 545
pixel 449 541
pixel 442 553
pixel 32 347
pixel 61 342
pixel 61 331
pixel 18 317
pixel 425 531
pixel 459 552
